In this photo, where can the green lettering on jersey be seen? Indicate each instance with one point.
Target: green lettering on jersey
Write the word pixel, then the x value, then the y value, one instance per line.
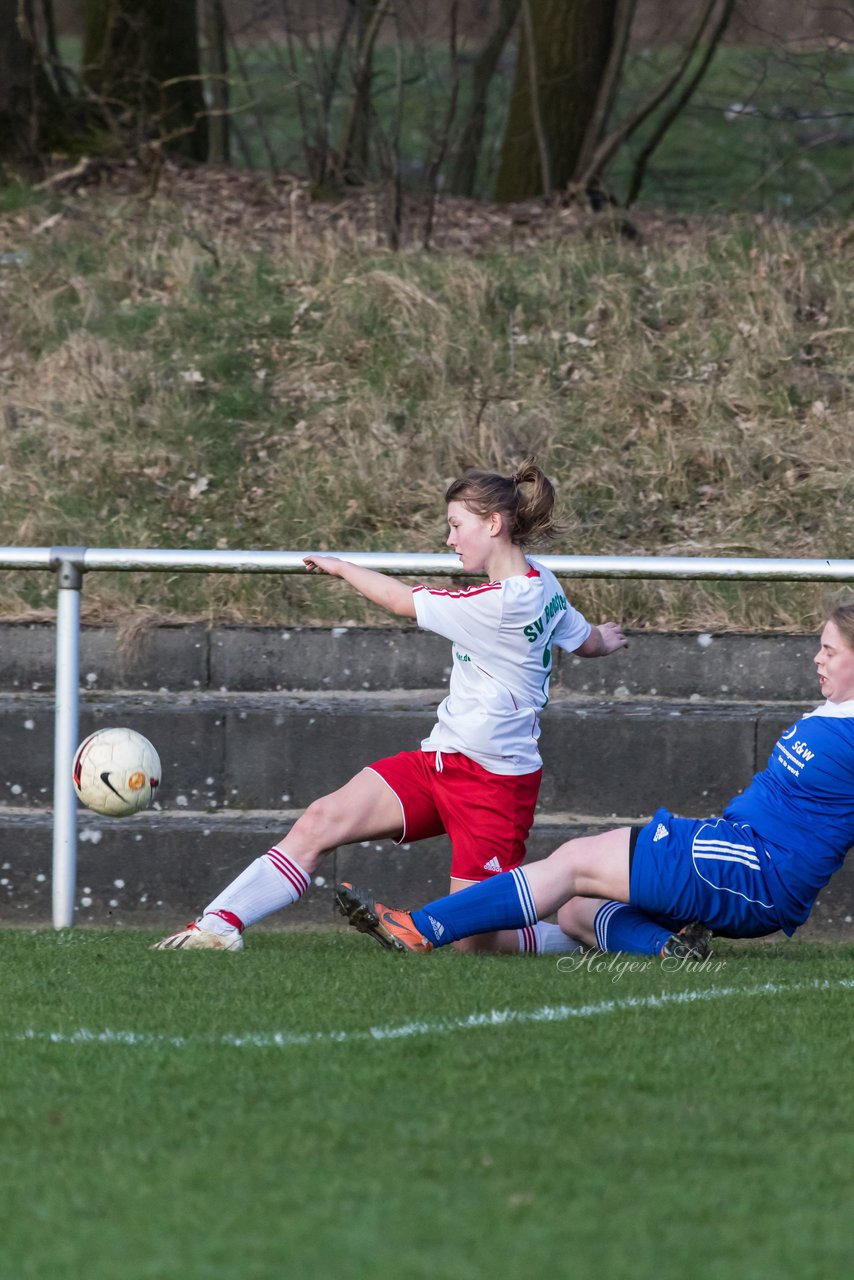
pixel 534 630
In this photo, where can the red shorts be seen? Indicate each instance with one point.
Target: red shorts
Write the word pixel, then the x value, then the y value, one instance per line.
pixel 486 815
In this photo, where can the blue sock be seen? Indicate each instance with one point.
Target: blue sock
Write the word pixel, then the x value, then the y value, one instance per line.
pixel 502 902
pixel 620 927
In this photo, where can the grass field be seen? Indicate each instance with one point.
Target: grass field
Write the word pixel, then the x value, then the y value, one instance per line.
pixel 317 1108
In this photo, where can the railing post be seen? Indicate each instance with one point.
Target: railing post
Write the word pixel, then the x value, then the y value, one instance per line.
pixel 69 580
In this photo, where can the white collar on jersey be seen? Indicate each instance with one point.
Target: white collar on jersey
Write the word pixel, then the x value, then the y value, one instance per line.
pixel 835 708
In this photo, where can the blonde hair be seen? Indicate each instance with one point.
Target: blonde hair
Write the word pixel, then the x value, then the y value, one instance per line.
pixel 525 498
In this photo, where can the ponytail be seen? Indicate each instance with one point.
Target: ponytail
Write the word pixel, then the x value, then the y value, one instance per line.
pixel 526 499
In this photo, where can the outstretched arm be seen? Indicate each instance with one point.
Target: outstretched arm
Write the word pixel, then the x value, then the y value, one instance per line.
pixel 604 639
pixel 377 587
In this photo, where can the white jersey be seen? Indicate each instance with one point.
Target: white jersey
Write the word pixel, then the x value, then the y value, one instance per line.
pixel 502 635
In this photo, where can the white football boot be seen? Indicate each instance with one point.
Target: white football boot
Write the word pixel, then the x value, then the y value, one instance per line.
pixel 195 938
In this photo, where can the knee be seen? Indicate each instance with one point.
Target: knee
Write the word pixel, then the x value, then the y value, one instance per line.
pixel 564 860
pixel 576 918
pixel 570 916
pixel 317 825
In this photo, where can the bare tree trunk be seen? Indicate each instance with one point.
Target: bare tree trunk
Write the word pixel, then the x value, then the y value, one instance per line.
pixel 464 172
pixel 141 62
pixel 30 111
pixel 217 69
pixel 328 90
pixel 395 217
pixel 442 142
pixel 563 56
pixel 355 152
pixel 609 85
pixel 57 71
pixel 543 142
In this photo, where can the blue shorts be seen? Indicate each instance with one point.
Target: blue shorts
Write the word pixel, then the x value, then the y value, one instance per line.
pixel 711 870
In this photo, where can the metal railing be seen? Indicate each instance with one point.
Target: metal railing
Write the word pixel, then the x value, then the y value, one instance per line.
pixel 70 564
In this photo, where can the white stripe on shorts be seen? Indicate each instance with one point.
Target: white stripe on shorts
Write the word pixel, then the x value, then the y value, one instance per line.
pixel 727 852
pixel 743 855
pixel 725 857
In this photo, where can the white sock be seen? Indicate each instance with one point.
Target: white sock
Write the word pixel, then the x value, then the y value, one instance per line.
pixel 542 939
pixel 269 883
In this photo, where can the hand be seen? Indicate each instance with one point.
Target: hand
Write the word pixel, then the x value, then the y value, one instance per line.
pixel 324 564
pixel 612 637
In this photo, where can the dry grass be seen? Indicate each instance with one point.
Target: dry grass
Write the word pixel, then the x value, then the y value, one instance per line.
pixel 169 377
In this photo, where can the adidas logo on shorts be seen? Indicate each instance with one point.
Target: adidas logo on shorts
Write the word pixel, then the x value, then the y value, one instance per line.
pixel 492 865
pixel 660 832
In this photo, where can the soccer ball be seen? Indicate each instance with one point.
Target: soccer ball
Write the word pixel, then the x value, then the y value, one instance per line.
pixel 116 772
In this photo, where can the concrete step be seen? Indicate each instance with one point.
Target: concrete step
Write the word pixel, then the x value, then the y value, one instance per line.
pixel 253 723
pixel 702 666
pixel 281 750
pixel 157 870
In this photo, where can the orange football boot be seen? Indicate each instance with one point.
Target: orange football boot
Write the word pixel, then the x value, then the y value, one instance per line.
pixel 393 930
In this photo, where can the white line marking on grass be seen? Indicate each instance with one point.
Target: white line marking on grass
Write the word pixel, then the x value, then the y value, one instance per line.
pixel 408 1030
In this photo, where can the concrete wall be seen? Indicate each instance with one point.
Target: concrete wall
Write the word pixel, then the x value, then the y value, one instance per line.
pixel 253 723
pixel 246 659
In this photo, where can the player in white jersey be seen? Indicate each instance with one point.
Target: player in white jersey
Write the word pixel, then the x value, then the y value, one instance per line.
pixel 502 635
pixel 664 888
pixel 476 777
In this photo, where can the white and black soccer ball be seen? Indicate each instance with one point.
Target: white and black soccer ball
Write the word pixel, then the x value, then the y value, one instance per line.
pixel 116 772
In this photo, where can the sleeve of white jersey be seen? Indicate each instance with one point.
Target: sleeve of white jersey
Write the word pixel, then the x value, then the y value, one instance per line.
pixel 470 618
pixel 572 630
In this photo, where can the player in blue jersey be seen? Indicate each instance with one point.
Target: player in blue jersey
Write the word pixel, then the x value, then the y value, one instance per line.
pixel 666 887
pixel 477 776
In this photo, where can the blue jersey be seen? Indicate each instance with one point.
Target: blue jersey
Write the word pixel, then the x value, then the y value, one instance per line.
pixel 802 807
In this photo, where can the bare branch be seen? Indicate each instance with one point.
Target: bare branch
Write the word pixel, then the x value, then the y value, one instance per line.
pixel 259 123
pixel 610 145
pixel 679 102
